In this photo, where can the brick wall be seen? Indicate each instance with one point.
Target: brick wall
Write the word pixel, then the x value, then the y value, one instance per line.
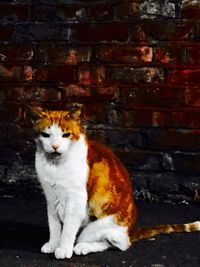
pixel 135 67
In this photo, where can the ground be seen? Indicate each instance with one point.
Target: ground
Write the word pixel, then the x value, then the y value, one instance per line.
pixel 23 229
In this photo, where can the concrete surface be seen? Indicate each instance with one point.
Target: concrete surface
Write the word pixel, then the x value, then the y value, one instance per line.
pixel 23 229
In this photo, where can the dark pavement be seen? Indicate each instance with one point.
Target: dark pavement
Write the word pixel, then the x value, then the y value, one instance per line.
pixel 23 230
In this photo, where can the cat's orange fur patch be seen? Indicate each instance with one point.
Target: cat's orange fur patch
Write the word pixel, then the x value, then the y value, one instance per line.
pixel 62 119
pixel 109 188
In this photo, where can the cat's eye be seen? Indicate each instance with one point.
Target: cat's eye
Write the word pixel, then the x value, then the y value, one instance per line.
pixel 66 135
pixel 45 135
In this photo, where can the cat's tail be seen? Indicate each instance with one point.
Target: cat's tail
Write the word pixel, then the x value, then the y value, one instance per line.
pixel 150 232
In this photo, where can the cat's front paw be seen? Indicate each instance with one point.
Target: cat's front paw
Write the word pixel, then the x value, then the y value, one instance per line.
pixel 48 248
pixel 62 253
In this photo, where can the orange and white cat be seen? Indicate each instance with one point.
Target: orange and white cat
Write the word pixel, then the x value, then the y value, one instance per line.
pixel 88 190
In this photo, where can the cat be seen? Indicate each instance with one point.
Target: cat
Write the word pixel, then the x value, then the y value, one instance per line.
pixel 90 205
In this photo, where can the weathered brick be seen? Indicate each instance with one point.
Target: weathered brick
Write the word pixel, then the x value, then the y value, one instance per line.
pixel 192 96
pixel 168 54
pixel 56 73
pixel 13 13
pixel 153 9
pixel 191 9
pixel 103 11
pixel 16 52
pixel 125 53
pixel 91 74
pixel 115 31
pixel 191 55
pixel 138 75
pixel 42 31
pixel 170 139
pixel 141 160
pixel 6 32
pixel 183 77
pixel 128 9
pixel 13 112
pixel 182 161
pixel 183 118
pixel 167 30
pixel 150 96
pixel 138 118
pixel 63 54
pixel 75 92
pixel 58 12
pixel 14 73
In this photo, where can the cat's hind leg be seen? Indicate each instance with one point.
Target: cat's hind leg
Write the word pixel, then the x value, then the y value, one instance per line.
pixel 100 235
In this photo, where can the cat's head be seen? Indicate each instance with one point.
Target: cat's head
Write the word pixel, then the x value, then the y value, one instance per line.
pixel 56 131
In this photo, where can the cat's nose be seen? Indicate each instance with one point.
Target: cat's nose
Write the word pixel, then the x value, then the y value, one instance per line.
pixel 56 146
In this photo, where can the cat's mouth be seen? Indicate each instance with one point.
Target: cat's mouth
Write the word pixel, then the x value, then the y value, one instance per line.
pixel 55 154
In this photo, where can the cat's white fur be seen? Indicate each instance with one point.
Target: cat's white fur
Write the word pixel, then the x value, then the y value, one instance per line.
pixel 64 185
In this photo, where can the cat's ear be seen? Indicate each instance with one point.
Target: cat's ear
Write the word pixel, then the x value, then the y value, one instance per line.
pixel 35 112
pixel 75 112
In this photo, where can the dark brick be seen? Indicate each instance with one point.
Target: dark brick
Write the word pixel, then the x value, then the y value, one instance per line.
pixel 102 12
pixel 138 75
pixel 114 31
pixel 167 30
pixel 128 9
pixel 13 112
pixel 75 92
pixel 125 54
pixel 59 12
pixel 163 182
pixel 56 73
pixel 191 55
pixel 150 96
pixel 183 118
pixel 63 54
pixel 16 52
pixel 14 73
pixel 13 13
pixel 171 139
pixel 182 161
pixel 191 9
pixel 6 32
pixel 42 31
pixel 141 160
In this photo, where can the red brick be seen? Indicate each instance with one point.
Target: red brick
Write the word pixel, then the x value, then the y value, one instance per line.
pixel 183 77
pixel 125 53
pixel 115 31
pixel 63 54
pixel 92 74
pixel 56 73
